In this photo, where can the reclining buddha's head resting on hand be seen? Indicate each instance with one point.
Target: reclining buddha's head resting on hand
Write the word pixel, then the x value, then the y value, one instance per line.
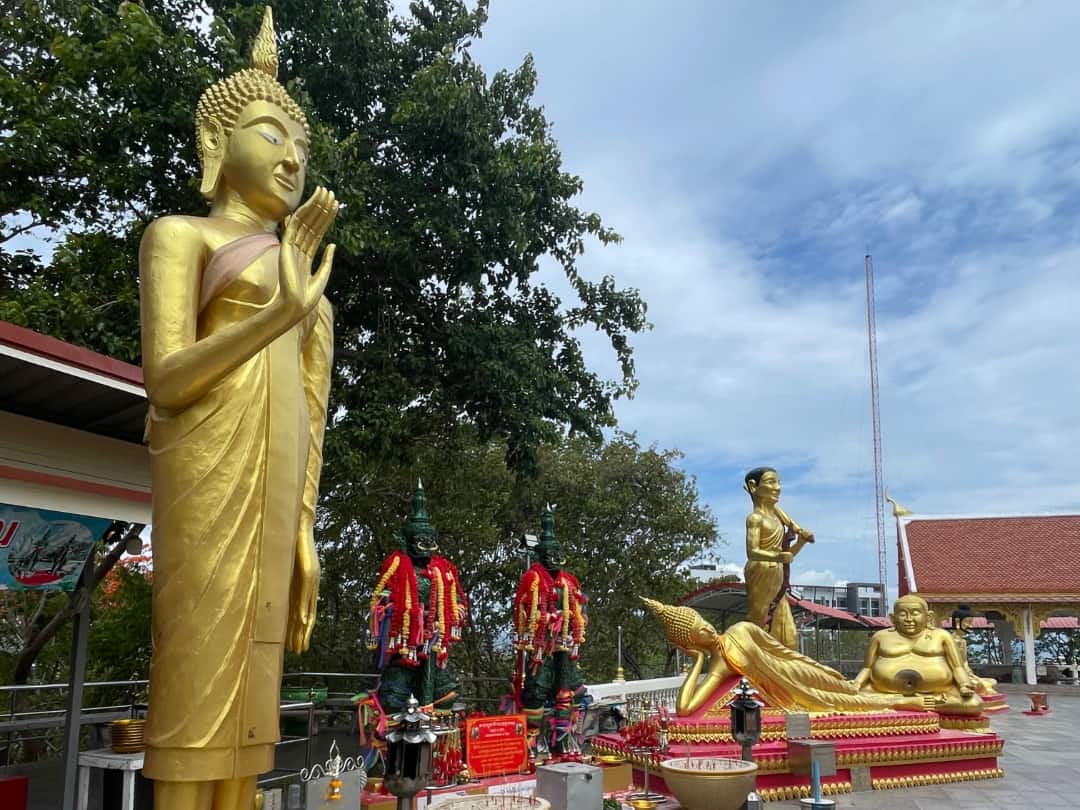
pixel 684 626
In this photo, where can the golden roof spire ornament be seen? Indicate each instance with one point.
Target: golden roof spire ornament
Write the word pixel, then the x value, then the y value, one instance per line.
pixel 897 509
pixel 264 51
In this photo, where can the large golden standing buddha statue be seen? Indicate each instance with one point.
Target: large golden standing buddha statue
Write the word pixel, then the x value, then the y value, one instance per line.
pixel 237 345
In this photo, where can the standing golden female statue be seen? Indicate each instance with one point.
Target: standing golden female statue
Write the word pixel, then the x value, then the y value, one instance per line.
pixel 237 347
pixel 769 552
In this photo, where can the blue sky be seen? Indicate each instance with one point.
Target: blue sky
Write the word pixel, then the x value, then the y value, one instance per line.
pixel 749 153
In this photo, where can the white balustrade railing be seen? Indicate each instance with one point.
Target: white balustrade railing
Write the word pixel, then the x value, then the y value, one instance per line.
pixel 657 690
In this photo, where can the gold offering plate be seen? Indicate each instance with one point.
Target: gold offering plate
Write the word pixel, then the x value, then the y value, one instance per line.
pixel 610 759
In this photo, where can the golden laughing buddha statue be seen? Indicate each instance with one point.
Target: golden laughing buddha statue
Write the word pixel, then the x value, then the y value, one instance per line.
pixel 915 658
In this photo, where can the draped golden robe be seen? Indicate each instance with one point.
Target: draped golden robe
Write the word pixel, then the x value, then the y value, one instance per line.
pixel 788 679
pixel 764 581
pixel 232 474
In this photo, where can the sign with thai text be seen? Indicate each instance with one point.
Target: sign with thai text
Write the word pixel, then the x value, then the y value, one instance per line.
pixel 45 550
pixel 496 745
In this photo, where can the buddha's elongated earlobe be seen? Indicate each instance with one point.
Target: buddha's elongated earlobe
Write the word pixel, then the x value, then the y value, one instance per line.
pixel 212 141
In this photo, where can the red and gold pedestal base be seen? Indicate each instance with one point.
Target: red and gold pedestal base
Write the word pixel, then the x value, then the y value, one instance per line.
pixel 994 703
pixel 900 748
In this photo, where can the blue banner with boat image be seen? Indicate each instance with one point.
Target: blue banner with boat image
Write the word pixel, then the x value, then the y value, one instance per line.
pixel 45 550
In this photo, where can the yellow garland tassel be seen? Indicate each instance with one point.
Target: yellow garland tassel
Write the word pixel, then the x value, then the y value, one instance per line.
pixel 579 616
pixel 566 614
pixel 406 620
pixel 534 613
pixel 375 600
pixel 440 611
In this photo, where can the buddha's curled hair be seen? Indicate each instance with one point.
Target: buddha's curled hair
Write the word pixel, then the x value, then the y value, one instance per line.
pixel 679 622
pixel 224 100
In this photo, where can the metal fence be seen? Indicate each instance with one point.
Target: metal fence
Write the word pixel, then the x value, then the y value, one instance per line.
pixel 33 716
pixel 316 708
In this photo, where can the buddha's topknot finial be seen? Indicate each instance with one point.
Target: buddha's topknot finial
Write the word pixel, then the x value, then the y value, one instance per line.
pixel 264 52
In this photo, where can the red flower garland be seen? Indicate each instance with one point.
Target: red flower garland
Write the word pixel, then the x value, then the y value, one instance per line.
pixel 538 612
pixel 413 625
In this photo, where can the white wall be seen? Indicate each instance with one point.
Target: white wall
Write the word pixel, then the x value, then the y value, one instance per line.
pixel 66 453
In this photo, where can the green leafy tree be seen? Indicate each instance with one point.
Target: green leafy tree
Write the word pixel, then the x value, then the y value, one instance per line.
pixel 36 634
pixel 448 346
pixel 119 644
pixel 1055 646
pixel 619 508
pixel 453 187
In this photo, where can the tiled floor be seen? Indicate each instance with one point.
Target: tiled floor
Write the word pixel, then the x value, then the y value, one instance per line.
pixel 1041 762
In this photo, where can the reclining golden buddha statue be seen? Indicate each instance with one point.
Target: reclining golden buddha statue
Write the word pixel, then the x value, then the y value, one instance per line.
pixel 790 680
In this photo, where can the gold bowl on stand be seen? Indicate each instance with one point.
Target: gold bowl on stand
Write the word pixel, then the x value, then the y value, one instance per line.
pixel 709 783
pixel 127 736
pixel 609 759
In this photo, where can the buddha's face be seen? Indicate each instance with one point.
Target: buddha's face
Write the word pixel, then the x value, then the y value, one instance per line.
pixel 703 636
pixel 265 160
pixel 910 617
pixel 767 490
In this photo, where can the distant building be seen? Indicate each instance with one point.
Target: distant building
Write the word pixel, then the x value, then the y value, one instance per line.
pixel 860 598
pixel 865 596
pixel 706 572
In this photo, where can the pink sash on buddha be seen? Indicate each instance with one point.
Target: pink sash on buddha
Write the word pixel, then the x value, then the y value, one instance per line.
pixel 230 260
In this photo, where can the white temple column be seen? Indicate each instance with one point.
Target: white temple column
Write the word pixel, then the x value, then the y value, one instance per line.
pixel 1029 647
pixel 1006 634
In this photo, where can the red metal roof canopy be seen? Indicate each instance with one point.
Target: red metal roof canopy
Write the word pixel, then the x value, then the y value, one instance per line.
pixel 47 379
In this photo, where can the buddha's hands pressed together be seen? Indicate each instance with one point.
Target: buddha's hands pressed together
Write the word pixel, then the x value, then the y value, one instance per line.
pixel 299 290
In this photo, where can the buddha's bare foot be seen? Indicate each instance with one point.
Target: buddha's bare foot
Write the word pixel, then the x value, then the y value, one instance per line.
pixel 960 705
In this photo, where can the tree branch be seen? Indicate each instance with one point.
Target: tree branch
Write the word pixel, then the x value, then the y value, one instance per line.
pixel 21 229
pixel 43 598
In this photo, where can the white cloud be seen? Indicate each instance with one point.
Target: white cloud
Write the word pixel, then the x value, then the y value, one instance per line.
pixel 824 576
pixel 748 157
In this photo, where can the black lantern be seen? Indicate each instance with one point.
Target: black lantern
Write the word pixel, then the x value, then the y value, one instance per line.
pixel 745 718
pixel 408 754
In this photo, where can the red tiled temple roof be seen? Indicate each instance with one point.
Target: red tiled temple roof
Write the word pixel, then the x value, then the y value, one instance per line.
pixel 829 612
pixel 1002 557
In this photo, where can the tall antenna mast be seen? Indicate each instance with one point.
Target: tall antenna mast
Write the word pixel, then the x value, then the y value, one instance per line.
pixel 875 406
